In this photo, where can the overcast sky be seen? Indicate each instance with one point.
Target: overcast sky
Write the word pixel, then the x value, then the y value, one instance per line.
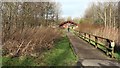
pixel 75 8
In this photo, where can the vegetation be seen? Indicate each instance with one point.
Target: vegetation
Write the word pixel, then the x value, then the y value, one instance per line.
pixel 30 36
pixel 28 30
pixel 31 42
pixel 19 15
pixel 60 55
pixel 102 19
pixel 103 12
pixel 99 30
pixel 117 55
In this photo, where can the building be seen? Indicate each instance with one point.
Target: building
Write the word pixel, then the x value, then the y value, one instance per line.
pixel 69 24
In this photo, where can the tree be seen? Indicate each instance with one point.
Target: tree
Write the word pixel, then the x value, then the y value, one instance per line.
pixel 76 20
pixel 103 12
pixel 69 18
pixel 18 15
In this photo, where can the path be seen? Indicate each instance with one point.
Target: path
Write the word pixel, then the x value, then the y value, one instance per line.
pixel 89 55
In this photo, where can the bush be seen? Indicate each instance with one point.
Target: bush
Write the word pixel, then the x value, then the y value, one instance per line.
pixel 30 41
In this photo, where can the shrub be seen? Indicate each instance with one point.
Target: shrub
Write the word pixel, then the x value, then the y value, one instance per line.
pixel 30 41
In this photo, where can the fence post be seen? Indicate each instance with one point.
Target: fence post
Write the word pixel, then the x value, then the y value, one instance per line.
pixel 96 40
pixel 84 35
pixel 89 38
pixel 79 33
pixel 112 45
pixel 108 44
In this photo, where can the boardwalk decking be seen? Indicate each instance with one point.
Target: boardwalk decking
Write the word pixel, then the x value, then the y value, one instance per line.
pixel 89 55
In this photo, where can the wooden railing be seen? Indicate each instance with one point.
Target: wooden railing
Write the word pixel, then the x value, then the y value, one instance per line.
pixel 106 45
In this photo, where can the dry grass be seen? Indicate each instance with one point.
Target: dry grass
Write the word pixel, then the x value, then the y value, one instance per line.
pixel 30 41
pixel 99 30
pixel 107 32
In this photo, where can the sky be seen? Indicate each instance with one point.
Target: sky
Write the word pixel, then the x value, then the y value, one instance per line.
pixel 73 8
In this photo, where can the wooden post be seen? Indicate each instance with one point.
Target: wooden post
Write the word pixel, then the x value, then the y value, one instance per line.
pixel 84 35
pixel 108 44
pixel 96 40
pixel 79 33
pixel 112 45
pixel 89 38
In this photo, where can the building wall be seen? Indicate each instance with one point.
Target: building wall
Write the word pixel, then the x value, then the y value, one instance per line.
pixel 69 25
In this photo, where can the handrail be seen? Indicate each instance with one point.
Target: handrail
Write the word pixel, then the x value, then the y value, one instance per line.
pixel 109 45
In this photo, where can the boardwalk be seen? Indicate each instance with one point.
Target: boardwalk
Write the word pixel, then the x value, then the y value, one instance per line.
pixel 88 55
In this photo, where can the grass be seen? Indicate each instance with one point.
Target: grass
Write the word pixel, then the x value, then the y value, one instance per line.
pixel 18 61
pixel 117 55
pixel 60 55
pixel 0 60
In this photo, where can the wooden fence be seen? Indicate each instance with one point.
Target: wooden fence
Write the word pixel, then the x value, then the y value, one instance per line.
pixel 106 45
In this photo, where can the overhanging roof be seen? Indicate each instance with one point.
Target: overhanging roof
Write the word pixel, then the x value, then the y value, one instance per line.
pixel 71 22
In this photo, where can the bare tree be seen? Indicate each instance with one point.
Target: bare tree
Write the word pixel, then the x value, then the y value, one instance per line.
pixel 105 13
pixel 18 15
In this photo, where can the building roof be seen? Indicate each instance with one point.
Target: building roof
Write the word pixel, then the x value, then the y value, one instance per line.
pixel 71 22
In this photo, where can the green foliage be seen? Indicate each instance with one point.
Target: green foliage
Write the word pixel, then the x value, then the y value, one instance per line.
pixel 86 20
pixel 117 55
pixel 76 20
pixel 18 61
pixel 98 21
pixel 81 21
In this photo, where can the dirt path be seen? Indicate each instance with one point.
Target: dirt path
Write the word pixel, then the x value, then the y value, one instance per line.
pixel 88 55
